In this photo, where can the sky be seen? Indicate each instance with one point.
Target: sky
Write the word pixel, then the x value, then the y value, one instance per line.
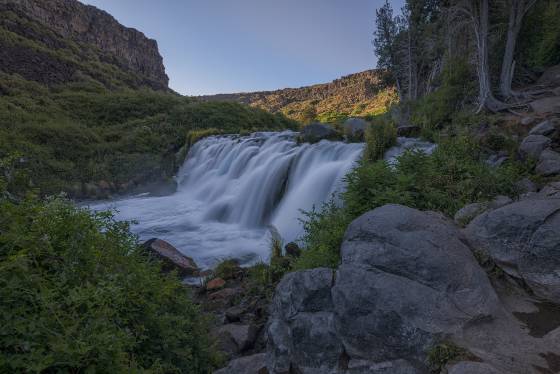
pixel 225 46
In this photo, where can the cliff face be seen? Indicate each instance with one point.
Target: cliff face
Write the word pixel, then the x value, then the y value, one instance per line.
pixel 33 30
pixel 363 93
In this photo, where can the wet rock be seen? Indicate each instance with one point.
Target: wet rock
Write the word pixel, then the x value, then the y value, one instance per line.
pixel 408 131
pixel 254 364
pixel 549 163
pixel 533 145
pixel 354 128
pixel 215 284
pixel 235 338
pixel 317 131
pixel 171 257
pixel 292 249
pixel 469 212
pixel 523 239
pixel 544 128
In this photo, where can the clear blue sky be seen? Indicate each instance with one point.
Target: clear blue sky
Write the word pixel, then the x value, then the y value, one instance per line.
pixel 223 46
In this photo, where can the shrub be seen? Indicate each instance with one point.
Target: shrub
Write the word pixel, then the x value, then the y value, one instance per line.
pixel 79 295
pixel 379 136
pixel 440 355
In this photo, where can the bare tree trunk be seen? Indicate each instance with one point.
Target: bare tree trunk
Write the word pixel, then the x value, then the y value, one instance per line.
pixel 518 8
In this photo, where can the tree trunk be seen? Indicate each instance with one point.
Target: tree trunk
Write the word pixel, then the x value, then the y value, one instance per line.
pixel 517 10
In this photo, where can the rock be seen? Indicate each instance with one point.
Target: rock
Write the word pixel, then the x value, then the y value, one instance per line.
pixel 354 128
pixel 499 201
pixel 551 190
pixel 225 294
pixel 496 160
pixel 470 367
pixel 234 314
pixel 543 128
pixel 551 77
pixel 525 185
pixel 393 297
pixel 292 249
pixel 215 284
pixel 469 212
pixel 125 47
pixel 549 163
pixel 172 258
pixel 104 185
pixel 533 145
pixel 234 338
pixel 254 364
pixel 408 131
pixel 526 121
pixel 523 239
pixel 556 91
pixel 317 131
pixel 547 105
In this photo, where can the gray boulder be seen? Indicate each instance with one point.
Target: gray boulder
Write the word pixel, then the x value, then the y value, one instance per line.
pixel 392 298
pixel 549 163
pixel 470 367
pixel 533 145
pixel 469 212
pixel 525 186
pixel 234 338
pixel 316 132
pixel 523 238
pixel 544 128
pixel 547 105
pixel 551 190
pixel 354 128
pixel 254 364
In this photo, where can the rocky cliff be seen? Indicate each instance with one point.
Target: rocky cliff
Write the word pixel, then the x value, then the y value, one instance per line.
pixel 59 41
pixel 364 93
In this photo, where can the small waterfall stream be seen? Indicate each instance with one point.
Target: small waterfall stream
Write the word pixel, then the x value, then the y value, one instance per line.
pixel 231 189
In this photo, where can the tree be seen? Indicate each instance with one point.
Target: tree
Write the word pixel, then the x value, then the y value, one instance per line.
pixel 518 9
pixel 477 13
pixel 384 41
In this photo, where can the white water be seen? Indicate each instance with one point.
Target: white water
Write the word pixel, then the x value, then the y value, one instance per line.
pixel 233 190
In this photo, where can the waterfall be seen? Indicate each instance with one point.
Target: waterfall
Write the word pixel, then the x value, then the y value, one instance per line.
pixel 232 190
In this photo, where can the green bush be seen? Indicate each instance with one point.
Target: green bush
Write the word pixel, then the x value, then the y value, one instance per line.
pixel 379 135
pixel 454 175
pixel 78 295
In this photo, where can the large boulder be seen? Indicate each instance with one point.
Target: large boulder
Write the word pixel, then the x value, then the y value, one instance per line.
pixel 316 132
pixel 254 364
pixel 523 239
pixel 171 257
pixel 549 163
pixel 354 128
pixel 544 128
pixel 470 367
pixel 547 105
pixel 235 338
pixel 534 145
pixel 393 297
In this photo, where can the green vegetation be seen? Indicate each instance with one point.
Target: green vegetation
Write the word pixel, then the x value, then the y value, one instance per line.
pixel 454 175
pixel 75 134
pixel 379 136
pixel 79 295
pixel 442 354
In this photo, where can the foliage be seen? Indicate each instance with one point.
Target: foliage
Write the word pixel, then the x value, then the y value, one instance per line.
pixel 194 136
pixel 79 295
pixel 226 269
pixel 442 106
pixel 323 232
pixel 440 355
pixel 379 135
pixel 264 277
pixel 74 135
pixel 453 176
pixel 539 44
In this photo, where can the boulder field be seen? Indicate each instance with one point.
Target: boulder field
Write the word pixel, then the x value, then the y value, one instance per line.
pixel 415 293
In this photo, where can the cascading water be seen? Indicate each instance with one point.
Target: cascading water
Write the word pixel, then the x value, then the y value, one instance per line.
pixel 232 190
